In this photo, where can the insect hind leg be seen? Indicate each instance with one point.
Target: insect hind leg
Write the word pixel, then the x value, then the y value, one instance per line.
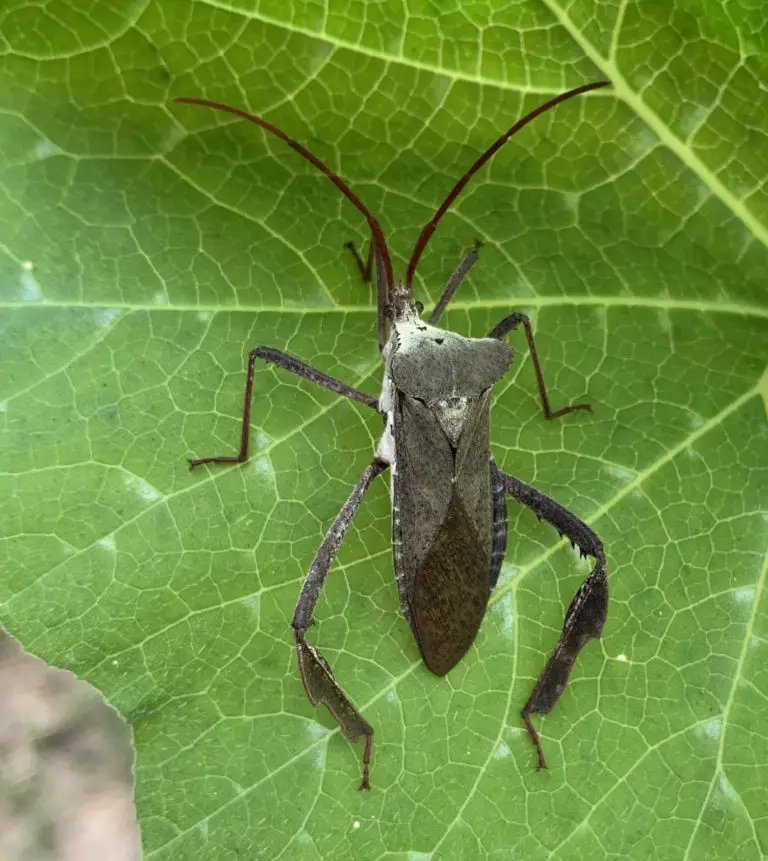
pixel 316 674
pixel 586 615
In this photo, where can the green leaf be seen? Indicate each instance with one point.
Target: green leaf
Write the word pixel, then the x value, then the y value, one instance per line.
pixel 147 246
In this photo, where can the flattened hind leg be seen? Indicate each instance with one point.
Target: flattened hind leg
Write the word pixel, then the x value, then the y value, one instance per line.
pixel 319 683
pixel 323 690
pixel 585 617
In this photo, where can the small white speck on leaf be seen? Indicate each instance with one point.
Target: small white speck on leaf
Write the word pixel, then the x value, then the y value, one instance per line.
pixel 263 466
pixel 356 824
pixel 724 792
pixel 261 440
pixel 253 604
pixel 175 135
pixel 105 317
pixel 572 201
pixel 504 609
pixel 621 657
pixel 27 265
pixel 45 149
pixel 316 731
pixel 501 751
pixel 619 472
pixel 115 662
pixel 703 192
pixel 507 574
pixel 321 52
pixel 438 89
pixel 712 728
pixel 643 141
pixel 108 543
pixel 142 489
pixel 203 316
pixel 361 368
pixel 518 286
pixel 689 121
pixel 160 299
pixel 664 321
pixel 30 289
pixel 744 596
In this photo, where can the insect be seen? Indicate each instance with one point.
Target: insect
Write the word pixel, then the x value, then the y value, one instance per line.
pixel 449 516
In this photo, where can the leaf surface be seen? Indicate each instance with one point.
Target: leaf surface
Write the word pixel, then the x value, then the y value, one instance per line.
pixel 147 246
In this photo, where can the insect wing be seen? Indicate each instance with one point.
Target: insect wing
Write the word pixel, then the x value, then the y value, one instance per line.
pixel 442 526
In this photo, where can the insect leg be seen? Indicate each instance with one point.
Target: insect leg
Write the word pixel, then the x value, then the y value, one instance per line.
pixel 319 683
pixel 509 324
pixel 366 269
pixel 460 273
pixel 382 289
pixel 585 617
pixel 295 366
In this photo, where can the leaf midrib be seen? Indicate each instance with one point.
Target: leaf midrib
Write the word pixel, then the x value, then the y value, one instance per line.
pixel 705 306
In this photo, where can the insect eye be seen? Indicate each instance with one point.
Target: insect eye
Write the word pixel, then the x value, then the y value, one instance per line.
pixel 420 307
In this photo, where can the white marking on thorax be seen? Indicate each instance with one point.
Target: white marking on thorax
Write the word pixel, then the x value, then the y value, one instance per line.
pixel 386 451
pixel 386 448
pixel 411 333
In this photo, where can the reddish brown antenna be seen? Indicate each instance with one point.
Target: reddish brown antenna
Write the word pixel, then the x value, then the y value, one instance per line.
pixel 376 231
pixel 429 228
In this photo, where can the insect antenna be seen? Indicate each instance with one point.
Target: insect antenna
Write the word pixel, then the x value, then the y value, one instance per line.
pixel 429 228
pixel 376 231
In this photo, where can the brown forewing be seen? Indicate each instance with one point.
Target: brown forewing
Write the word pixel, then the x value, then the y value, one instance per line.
pixel 442 528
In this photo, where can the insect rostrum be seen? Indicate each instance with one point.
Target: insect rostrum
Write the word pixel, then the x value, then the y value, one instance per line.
pixel 449 516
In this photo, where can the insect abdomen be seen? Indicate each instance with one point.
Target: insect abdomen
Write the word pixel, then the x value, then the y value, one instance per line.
pixel 499 526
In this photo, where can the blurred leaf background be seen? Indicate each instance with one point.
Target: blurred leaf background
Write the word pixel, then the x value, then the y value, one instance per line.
pixel 147 246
